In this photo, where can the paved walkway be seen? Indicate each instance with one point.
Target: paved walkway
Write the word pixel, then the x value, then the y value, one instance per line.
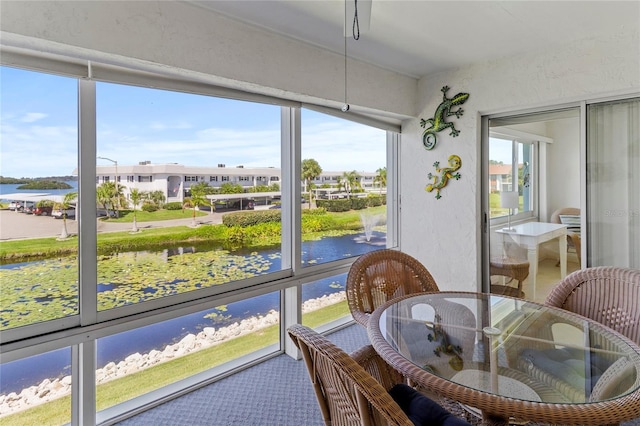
pixel 14 225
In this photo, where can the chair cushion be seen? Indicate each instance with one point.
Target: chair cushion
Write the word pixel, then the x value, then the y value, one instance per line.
pixel 421 410
pixel 572 221
pixel 567 364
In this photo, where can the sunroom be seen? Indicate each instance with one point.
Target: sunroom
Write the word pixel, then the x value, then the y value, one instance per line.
pixel 109 88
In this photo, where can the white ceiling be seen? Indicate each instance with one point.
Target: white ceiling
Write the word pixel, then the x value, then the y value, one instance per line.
pixel 420 37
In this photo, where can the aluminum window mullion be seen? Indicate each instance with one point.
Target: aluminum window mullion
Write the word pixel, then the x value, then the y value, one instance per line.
pixel 393 189
pixel 291 298
pixel 87 242
pixel 83 384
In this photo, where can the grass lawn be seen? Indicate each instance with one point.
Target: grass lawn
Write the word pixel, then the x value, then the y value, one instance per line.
pixel 494 205
pixel 142 216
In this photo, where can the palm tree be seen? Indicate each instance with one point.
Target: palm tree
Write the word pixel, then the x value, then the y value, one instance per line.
pixel 198 197
pixel 136 195
pixel 108 195
pixel 64 206
pixel 157 197
pixel 381 178
pixel 310 171
pixel 102 196
pixel 351 181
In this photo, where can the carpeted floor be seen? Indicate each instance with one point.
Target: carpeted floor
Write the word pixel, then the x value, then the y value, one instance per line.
pixel 274 393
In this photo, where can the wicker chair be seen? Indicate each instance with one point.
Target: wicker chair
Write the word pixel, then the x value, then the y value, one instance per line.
pixel 609 295
pixel 555 218
pixel 351 390
pixel 346 392
pixel 509 267
pixel 576 241
pixel 381 275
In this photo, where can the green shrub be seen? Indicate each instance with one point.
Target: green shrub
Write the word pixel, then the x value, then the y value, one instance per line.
pixel 45 203
pixel 359 203
pixel 374 200
pixel 263 233
pixel 314 212
pixel 317 223
pixel 249 218
pixel 236 235
pixel 176 205
pixel 342 205
pixel 148 207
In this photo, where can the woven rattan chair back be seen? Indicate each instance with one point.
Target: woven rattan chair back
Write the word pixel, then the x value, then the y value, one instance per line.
pixel 381 275
pixel 606 294
pixel 346 392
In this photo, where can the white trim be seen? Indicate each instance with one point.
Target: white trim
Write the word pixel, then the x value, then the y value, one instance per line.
pixel 506 133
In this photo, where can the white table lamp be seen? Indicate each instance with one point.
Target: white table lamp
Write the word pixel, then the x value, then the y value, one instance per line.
pixel 509 200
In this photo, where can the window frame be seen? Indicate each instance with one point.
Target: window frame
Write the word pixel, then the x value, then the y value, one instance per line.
pixel 534 182
pixel 81 331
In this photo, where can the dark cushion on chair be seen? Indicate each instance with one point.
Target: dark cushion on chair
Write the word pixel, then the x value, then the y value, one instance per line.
pixel 421 410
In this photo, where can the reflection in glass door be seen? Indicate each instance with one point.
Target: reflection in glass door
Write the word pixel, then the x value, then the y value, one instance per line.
pixel 532 159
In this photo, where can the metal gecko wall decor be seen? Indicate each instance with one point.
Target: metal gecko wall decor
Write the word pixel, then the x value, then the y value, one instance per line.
pixel 446 173
pixel 438 122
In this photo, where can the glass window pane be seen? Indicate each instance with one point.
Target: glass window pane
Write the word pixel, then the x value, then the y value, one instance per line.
pixel 139 361
pixel 324 301
pixel 525 176
pixel 36 390
pixel 39 156
pixel 500 174
pixel 171 166
pixel 344 187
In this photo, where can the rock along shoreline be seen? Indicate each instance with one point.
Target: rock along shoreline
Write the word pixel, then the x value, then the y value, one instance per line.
pixel 50 389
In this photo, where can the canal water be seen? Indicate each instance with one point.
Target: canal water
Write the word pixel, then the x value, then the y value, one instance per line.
pixel 18 375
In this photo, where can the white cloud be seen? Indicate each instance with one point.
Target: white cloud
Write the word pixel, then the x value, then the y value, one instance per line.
pixel 30 117
pixel 156 125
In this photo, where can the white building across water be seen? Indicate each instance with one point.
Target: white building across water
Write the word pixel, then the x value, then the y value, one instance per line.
pixel 175 180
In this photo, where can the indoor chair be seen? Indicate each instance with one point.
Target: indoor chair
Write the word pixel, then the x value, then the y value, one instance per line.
pixel 558 216
pixel 511 263
pixel 381 275
pixel 607 294
pixel 357 390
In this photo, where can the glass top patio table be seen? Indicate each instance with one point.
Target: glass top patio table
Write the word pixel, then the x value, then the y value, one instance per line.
pixel 511 358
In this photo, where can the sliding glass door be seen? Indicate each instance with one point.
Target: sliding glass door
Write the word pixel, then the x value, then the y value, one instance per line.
pixel 613 184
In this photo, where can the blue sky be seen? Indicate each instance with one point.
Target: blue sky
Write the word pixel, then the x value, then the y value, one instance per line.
pixel 38 129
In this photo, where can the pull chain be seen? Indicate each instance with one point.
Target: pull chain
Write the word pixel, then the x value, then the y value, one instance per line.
pixel 345 107
pixel 355 29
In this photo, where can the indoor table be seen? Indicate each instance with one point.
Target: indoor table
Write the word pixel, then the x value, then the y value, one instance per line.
pixel 530 235
pixel 507 359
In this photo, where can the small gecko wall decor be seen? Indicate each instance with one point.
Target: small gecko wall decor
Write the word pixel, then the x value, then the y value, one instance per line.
pixel 438 122
pixel 446 173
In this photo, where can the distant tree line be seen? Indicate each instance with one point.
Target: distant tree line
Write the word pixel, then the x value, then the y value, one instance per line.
pixel 45 184
pixel 22 181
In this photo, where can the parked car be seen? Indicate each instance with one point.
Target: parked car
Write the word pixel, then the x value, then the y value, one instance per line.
pixel 107 213
pixel 14 205
pixel 28 207
pixel 43 210
pixel 70 213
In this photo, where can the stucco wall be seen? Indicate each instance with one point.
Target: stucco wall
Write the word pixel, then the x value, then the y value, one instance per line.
pixel 445 234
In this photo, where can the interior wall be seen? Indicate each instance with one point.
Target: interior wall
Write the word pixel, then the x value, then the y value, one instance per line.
pixel 445 234
pixel 563 165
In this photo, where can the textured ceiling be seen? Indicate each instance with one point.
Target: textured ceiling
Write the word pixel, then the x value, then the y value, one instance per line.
pixel 417 38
